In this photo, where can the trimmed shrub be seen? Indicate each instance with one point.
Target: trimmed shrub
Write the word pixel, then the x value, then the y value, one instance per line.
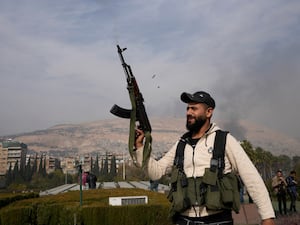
pixel 130 214
pixel 7 199
pixel 17 215
pixel 64 209
pixel 55 214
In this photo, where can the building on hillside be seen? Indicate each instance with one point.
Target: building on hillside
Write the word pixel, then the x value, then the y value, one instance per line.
pixel 86 162
pixel 3 160
pixel 52 164
pixel 68 165
pixel 10 153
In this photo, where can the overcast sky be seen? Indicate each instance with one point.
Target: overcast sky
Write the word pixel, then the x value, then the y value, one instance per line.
pixel 59 61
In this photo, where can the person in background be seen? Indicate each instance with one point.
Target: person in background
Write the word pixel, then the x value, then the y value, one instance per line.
pixel 91 180
pixel 279 186
pixel 242 189
pixel 292 189
pixel 84 179
pixel 154 185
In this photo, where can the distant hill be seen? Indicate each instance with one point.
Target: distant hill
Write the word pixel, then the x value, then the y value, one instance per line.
pixel 112 135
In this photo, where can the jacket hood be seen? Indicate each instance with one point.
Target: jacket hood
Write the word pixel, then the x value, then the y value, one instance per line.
pixel 212 128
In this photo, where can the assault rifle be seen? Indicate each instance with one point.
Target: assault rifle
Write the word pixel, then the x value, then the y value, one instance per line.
pixel 137 113
pixel 141 115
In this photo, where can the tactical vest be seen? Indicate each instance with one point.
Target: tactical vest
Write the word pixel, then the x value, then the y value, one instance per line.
pixel 214 190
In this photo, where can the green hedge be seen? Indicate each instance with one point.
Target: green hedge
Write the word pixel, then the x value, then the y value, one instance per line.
pixel 64 209
pixel 132 214
pixel 18 215
pixel 55 214
pixel 6 199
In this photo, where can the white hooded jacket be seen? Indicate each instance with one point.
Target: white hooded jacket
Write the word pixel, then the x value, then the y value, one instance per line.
pixel 198 158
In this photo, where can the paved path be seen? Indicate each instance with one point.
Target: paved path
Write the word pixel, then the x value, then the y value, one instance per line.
pixel 57 190
pixel 105 185
pixel 248 215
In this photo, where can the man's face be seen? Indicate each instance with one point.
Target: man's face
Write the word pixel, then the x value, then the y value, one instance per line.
pixel 197 115
pixel 279 174
pixel 293 175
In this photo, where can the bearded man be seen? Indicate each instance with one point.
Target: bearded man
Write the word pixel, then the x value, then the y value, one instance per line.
pixel 197 158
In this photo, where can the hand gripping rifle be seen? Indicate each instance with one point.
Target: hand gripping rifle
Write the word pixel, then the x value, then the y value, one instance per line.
pixel 136 114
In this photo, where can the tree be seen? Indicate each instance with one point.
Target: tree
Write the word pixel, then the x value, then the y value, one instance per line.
pixel 56 178
pixel 247 146
pixel 284 162
pixel 41 166
pixel 105 167
pixel 113 168
pixel 44 171
pixel 297 169
pixel 27 173
pixel 91 164
pixel 9 175
pixel 96 169
pixel 34 167
pixel 22 168
pixel 269 161
pixel 295 161
pixel 16 173
pixel 265 162
pixel 102 166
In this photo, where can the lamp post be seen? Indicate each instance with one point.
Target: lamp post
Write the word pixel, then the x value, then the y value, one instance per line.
pixel 78 165
pixel 66 177
pixel 124 167
pixel 80 185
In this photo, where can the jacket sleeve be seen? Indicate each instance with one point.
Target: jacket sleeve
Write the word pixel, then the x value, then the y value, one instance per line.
pixel 254 183
pixel 157 168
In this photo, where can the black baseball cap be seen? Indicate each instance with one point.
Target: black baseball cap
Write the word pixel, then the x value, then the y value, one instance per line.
pixel 198 97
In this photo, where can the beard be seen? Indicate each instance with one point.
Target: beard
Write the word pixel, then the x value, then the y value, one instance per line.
pixel 197 125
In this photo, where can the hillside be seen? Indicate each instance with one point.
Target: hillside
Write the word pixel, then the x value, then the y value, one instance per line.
pixel 112 135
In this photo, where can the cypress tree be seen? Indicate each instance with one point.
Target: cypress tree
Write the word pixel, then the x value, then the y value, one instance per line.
pixel 44 171
pixel 105 168
pixel 96 167
pixel 34 167
pixel 91 165
pixel 41 166
pixel 28 173
pixel 22 169
pixel 102 166
pixel 16 173
pixel 113 167
pixel 9 175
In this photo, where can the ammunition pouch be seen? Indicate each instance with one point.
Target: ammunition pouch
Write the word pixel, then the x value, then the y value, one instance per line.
pixel 185 192
pixel 178 193
pixel 215 190
pixel 210 191
pixel 223 192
